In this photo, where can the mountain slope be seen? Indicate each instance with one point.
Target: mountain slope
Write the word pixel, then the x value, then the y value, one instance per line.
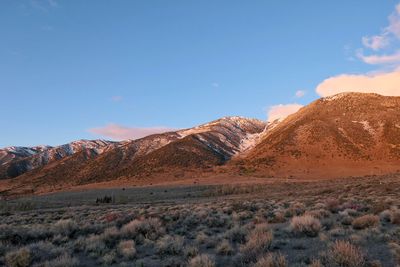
pixel 15 161
pixel 346 134
pixel 193 149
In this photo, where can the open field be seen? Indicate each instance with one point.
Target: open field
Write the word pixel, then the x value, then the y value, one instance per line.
pixel 342 222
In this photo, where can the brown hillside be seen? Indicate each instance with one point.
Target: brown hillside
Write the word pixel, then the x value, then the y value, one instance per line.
pixel 346 134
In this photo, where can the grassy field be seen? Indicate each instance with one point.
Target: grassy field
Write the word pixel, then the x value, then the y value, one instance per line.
pixel 344 222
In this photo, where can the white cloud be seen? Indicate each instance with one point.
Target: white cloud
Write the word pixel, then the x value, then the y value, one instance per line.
pixel 118 132
pixel 387 83
pixel 215 84
pixel 282 111
pixel 300 93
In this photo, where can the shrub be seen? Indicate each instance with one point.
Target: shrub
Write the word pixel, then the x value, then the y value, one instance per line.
pixel 150 228
pixel 365 221
pixel 259 241
pixel 224 248
pixel 271 260
pixel 20 258
pixel 202 260
pixel 344 254
pixel 395 216
pixel 306 225
pixel 236 234
pixel 64 260
pixel 170 245
pixel 191 251
pixel 127 248
pixel 65 227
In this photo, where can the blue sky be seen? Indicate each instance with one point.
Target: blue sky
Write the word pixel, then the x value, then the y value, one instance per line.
pixel 70 66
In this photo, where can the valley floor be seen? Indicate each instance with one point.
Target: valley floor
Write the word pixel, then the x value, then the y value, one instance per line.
pixel 341 222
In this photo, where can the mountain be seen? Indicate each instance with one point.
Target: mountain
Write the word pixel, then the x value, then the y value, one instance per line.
pixel 15 161
pixel 199 148
pixel 349 134
pixel 342 135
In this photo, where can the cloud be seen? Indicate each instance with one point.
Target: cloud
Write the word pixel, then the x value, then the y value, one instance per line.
pixel 380 59
pixel 215 84
pixel 375 42
pixel 282 111
pixel 300 93
pixel 387 35
pixel 386 83
pixel 118 132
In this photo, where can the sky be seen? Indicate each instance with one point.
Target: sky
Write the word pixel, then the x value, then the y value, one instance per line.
pixel 123 69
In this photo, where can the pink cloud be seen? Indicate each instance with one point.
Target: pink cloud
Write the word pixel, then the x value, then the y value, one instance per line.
pixel 380 59
pixel 386 83
pixel 279 112
pixel 118 132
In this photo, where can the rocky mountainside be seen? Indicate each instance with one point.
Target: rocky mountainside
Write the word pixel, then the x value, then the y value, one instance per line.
pixel 197 148
pixel 342 135
pixel 349 134
pixel 15 161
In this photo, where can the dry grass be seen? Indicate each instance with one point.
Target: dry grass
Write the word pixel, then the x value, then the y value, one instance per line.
pixel 19 258
pixel 201 261
pixel 229 230
pixel 127 248
pixel 365 221
pixel 258 242
pixel 271 260
pixel 307 225
pixel 344 254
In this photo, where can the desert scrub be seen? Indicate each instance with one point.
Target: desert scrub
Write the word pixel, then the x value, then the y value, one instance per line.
pixel 64 260
pixel 271 260
pixel 202 260
pixel 365 221
pixel 344 254
pixel 305 225
pixel 224 248
pixel 237 234
pixel 65 227
pixel 259 241
pixel 170 245
pixel 127 249
pixel 150 228
pixel 19 258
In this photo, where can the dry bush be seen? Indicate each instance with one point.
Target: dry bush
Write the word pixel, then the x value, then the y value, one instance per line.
pixel 127 248
pixel 395 216
pixel 170 245
pixel 190 251
pixel 201 238
pixel 333 205
pixel 19 258
pixel 306 225
pixel 64 260
pixel 150 228
pixel 344 254
pixel 365 221
pixel 271 260
pixel 395 249
pixel 224 248
pixel 315 263
pixel 65 227
pixel 202 260
pixel 237 234
pixel 93 245
pixel 258 242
